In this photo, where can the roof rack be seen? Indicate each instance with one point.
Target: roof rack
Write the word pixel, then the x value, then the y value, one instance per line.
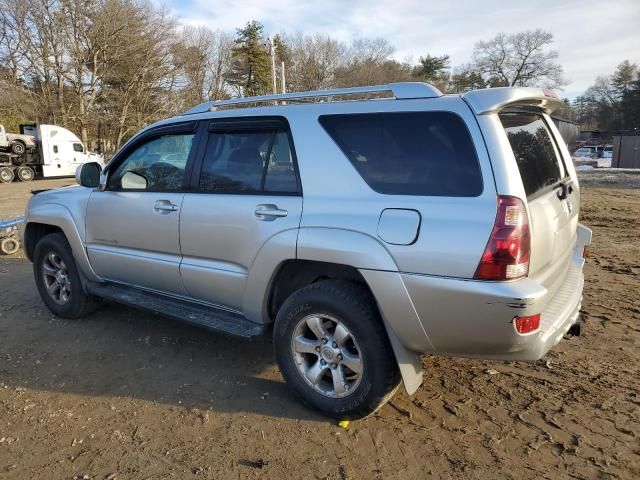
pixel 400 90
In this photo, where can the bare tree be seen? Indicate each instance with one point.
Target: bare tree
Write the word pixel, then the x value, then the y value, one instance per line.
pixel 313 61
pixel 520 59
pixel 141 77
pixel 205 58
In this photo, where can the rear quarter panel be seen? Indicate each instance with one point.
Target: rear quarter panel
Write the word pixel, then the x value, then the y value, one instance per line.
pixel 453 231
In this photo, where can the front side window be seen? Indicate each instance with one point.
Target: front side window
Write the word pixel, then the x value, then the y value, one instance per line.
pixel 156 166
pixel 248 161
pixel 409 153
pixel 77 147
pixel 538 160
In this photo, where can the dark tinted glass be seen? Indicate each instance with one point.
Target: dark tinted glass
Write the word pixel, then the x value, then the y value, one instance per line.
pixel 77 147
pixel 535 152
pixel 248 162
pixel 157 165
pixel 409 153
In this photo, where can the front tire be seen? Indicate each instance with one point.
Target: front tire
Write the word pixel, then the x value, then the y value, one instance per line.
pixel 333 349
pixel 58 280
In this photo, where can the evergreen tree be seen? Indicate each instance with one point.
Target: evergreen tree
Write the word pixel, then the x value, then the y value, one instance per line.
pixel 623 78
pixel 251 67
pixel 465 79
pixel 432 68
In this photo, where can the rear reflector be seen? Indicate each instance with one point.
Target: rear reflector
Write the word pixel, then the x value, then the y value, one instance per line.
pixel 527 324
pixel 506 256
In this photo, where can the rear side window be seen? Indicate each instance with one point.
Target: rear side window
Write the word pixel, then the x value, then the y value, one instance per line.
pixel 248 161
pixel 533 146
pixel 409 153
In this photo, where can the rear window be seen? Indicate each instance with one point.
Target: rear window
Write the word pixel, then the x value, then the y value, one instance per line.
pixel 535 151
pixel 409 153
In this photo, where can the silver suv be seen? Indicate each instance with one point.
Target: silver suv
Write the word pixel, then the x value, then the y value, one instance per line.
pixel 367 230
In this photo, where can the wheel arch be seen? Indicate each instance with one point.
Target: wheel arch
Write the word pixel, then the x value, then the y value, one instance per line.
pixel 346 255
pixel 51 218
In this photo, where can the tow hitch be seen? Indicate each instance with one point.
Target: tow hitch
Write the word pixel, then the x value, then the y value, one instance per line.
pixel 574 330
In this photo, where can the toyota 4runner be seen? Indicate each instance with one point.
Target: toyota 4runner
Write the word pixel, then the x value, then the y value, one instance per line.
pixel 368 225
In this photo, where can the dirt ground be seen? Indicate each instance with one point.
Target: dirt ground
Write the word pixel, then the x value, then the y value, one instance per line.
pixel 124 395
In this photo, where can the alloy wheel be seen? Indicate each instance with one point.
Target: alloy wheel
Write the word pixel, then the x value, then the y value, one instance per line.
pixel 326 355
pixel 56 278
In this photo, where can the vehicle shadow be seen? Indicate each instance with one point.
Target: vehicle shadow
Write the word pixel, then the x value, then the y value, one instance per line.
pixel 122 352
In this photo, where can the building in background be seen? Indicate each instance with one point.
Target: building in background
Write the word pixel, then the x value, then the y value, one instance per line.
pixel 626 150
pixel 569 130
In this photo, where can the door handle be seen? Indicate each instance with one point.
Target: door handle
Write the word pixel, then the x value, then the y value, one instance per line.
pixel 164 206
pixel 269 212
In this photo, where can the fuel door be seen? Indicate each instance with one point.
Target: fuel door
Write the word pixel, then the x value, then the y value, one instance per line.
pixel 399 226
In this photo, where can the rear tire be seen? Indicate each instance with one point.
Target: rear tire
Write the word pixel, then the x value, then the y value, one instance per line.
pixel 25 174
pixel 333 350
pixel 9 246
pixel 58 280
pixel 18 148
pixel 6 175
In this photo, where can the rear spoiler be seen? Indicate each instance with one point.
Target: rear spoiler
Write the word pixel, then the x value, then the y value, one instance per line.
pixel 492 100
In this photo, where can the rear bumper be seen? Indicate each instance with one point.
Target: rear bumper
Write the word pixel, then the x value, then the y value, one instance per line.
pixel 475 318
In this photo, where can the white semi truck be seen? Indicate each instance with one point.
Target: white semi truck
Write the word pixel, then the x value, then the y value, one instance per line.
pixel 57 152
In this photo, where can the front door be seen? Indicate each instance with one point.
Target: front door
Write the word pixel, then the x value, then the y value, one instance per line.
pixel 132 226
pixel 247 192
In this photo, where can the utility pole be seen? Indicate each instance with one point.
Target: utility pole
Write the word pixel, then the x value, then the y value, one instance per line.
pixel 284 83
pixel 272 52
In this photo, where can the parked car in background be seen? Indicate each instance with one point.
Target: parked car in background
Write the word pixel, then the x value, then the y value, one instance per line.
pixel 585 152
pixel 439 224
pixel 607 156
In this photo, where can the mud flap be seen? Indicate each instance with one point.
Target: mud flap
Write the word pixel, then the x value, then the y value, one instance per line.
pixel 409 362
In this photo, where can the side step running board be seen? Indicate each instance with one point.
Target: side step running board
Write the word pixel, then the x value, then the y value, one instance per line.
pixel 212 318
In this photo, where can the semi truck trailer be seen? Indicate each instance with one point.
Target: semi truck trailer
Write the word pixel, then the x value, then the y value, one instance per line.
pixel 52 151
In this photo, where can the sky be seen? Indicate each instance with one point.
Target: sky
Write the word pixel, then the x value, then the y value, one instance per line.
pixel 591 37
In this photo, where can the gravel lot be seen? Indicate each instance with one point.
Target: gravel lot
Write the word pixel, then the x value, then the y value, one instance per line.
pixel 124 395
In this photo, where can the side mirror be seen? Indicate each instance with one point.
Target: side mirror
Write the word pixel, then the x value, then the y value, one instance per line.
pixel 88 175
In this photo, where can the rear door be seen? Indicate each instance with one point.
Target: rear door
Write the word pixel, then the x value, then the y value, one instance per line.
pixel 552 198
pixel 245 191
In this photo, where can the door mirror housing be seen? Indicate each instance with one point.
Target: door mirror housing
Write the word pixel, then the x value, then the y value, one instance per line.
pixel 88 174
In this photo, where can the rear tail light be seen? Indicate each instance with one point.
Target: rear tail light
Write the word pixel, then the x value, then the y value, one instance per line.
pixel 585 251
pixel 506 256
pixel 527 324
